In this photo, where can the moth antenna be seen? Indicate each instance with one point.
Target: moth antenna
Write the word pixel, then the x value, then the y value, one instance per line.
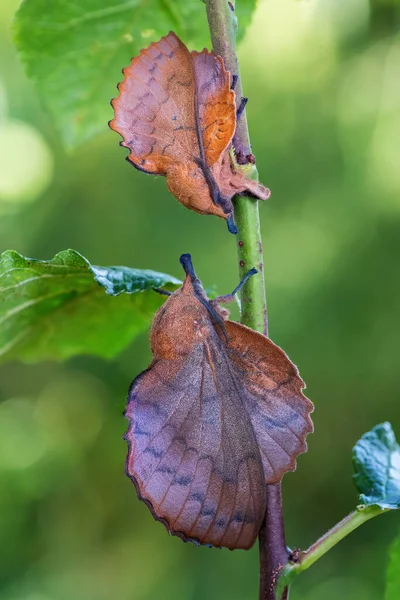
pixel 249 274
pixel 163 292
pixel 231 225
pixel 230 297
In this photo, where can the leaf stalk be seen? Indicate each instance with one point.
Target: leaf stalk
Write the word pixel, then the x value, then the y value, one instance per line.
pixel 302 560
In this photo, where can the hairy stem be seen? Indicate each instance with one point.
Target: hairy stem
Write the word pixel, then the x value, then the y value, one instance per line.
pixel 223 25
pixel 303 560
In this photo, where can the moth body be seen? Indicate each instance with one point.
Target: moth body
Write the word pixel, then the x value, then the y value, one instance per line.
pixel 217 415
pixel 176 113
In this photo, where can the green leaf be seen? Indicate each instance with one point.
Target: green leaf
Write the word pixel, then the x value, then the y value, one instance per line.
pixel 393 572
pixel 376 460
pixel 59 308
pixel 75 51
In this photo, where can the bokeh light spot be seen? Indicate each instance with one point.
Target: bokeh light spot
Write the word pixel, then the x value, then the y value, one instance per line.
pixel 21 443
pixel 26 164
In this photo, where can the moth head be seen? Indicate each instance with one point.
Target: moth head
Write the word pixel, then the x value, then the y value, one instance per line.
pixel 186 319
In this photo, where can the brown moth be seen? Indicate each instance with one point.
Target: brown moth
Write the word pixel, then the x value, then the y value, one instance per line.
pixel 176 112
pixel 218 414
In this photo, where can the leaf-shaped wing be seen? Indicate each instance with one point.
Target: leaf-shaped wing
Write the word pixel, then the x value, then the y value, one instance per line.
pixel 192 451
pixel 279 412
pixel 215 104
pixel 155 111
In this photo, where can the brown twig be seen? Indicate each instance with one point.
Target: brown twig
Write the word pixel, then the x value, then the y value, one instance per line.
pixel 274 554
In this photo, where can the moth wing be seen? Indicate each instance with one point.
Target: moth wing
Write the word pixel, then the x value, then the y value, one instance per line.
pixel 278 409
pixel 216 104
pixel 154 112
pixel 192 452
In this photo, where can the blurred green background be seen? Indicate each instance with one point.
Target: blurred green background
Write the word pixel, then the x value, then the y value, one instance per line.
pixel 323 80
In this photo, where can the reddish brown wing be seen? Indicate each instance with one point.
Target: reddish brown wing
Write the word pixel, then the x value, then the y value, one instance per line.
pixel 177 115
pixel 215 104
pixel 154 112
pixel 192 450
pixel 279 412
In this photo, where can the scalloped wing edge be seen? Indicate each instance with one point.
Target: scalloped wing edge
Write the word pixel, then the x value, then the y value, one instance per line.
pixel 142 498
pixel 120 88
pixel 308 403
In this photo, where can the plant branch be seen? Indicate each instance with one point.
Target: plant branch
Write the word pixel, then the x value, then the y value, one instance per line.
pixel 223 25
pixel 273 551
pixel 303 560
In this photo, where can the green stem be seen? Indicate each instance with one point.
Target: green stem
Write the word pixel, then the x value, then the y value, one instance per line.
pixel 250 254
pixel 223 25
pixel 304 560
